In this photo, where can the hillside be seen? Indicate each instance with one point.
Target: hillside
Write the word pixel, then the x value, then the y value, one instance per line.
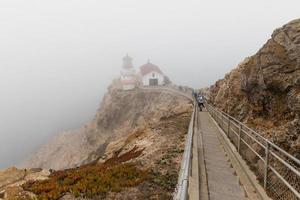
pixel 131 150
pixel 264 90
pixel 120 113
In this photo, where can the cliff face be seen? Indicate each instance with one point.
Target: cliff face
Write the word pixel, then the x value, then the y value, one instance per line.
pixel 120 113
pixel 131 150
pixel 264 90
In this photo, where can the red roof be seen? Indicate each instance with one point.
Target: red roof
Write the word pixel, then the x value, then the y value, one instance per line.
pixel 149 67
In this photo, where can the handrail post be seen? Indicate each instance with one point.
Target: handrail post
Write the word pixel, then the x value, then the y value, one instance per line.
pixel 267 148
pixel 228 127
pixel 240 138
pixel 215 111
pixel 222 121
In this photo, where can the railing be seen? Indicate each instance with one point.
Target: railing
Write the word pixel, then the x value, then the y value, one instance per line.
pixel 181 192
pixel 276 170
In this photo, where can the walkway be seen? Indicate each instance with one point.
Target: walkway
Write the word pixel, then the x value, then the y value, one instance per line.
pixel 208 173
pixel 222 182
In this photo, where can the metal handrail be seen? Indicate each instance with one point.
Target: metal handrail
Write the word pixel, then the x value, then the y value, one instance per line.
pixel 181 192
pixel 271 149
pixel 260 136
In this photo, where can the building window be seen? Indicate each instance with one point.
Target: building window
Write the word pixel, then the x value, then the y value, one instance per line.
pixel 153 75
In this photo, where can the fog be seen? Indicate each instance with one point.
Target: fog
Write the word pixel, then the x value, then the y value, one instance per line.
pixel 58 57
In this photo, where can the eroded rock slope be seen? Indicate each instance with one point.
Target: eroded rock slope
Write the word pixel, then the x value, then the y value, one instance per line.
pixel 120 112
pixel 264 90
pixel 131 150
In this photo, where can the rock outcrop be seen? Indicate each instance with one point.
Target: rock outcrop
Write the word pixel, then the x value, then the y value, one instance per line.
pixel 131 150
pixel 12 178
pixel 264 90
pixel 120 113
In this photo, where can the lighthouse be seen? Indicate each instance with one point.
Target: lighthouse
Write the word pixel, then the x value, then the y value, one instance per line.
pixel 128 76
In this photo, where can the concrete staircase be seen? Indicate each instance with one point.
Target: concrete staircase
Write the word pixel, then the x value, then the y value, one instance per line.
pixel 223 184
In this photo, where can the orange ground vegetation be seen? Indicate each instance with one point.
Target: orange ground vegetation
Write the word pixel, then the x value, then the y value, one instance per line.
pixel 94 180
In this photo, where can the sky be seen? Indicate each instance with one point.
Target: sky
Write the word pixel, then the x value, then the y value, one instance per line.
pixel 58 57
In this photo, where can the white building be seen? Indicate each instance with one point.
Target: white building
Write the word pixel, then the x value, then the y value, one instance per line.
pixel 151 75
pixel 128 75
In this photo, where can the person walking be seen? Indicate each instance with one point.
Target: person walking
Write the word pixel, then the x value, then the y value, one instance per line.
pixel 195 95
pixel 201 101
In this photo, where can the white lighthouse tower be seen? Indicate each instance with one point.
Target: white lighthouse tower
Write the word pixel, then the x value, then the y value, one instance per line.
pixel 128 76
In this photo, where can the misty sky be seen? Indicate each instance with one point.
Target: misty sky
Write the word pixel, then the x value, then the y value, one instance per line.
pixel 57 57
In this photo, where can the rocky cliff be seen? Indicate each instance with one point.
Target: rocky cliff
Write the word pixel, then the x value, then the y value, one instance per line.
pixel 264 90
pixel 120 113
pixel 132 149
